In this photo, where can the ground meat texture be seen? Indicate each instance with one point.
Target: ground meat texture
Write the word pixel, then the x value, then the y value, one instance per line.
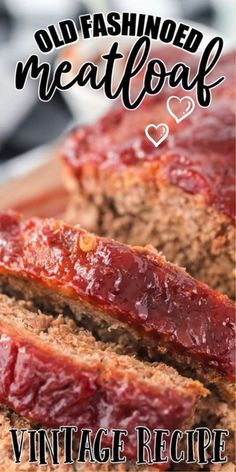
pixel 9 419
pixel 131 292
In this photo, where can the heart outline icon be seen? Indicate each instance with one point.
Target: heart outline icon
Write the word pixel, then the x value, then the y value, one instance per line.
pixel 162 138
pixel 189 109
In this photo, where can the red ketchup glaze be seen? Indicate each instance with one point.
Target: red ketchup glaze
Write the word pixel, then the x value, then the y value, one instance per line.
pixel 197 156
pixel 55 390
pixel 132 285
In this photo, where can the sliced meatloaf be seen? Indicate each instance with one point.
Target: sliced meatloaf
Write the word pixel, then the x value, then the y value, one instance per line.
pixel 130 295
pixel 179 197
pixel 56 374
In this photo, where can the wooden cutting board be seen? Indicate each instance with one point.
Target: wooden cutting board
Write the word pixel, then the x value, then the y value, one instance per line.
pixel 38 193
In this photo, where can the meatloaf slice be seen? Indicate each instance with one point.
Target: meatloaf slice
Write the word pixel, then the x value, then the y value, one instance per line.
pixel 130 295
pixel 56 374
pixel 179 197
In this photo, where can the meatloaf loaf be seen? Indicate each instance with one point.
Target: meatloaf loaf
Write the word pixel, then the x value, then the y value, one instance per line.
pixel 56 374
pixel 179 197
pixel 128 295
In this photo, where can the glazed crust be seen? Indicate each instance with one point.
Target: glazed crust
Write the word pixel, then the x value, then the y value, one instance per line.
pixel 133 286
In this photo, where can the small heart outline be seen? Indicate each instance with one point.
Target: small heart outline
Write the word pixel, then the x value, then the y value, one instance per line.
pixel 188 112
pixel 159 141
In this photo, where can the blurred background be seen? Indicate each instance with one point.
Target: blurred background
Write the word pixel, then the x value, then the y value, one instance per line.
pixel 26 124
